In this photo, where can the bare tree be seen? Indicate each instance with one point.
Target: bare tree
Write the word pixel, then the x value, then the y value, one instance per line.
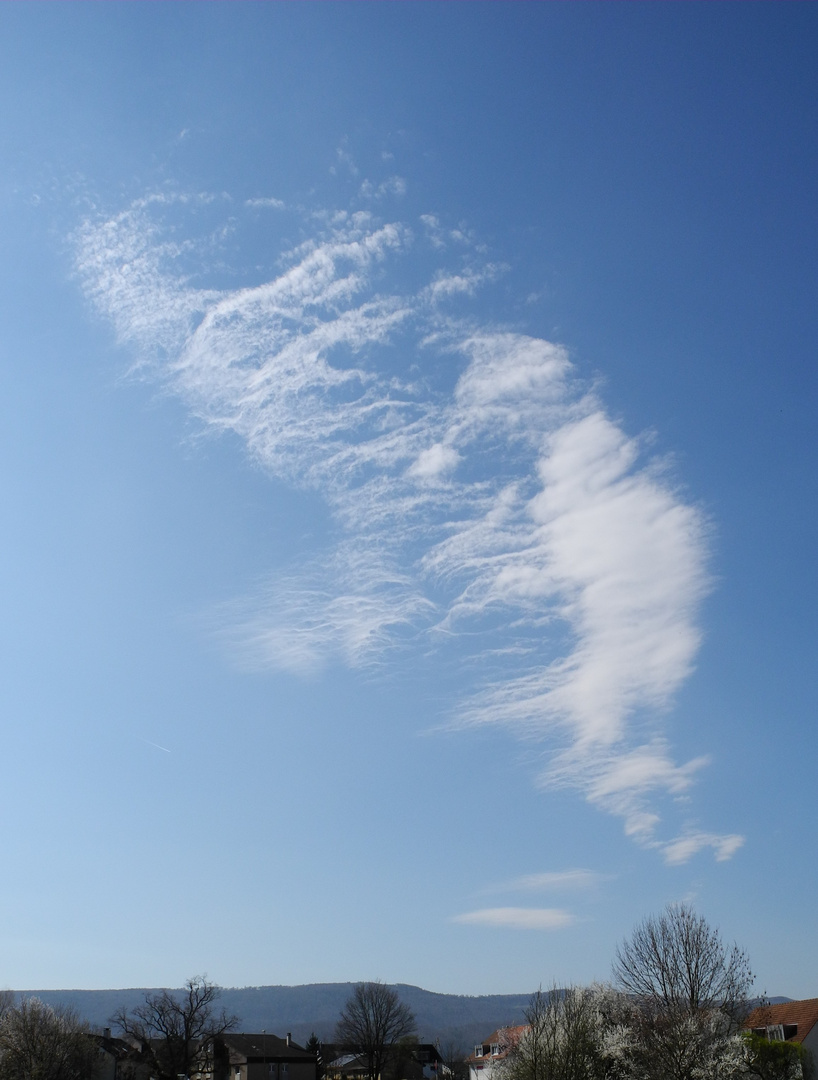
pixel 174 1030
pixel 453 1055
pixel 373 1020
pixel 561 1038
pixel 690 991
pixel 38 1042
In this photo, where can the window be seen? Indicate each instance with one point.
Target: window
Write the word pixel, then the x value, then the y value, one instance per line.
pixel 495 1049
pixel 478 1051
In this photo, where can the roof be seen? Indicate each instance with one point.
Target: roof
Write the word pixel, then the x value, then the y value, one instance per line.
pixel 118 1048
pixel 505 1037
pixel 347 1060
pixel 804 1014
pixel 265 1046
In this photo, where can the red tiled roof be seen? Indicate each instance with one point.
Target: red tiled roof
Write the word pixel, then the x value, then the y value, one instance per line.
pixel 505 1037
pixel 802 1013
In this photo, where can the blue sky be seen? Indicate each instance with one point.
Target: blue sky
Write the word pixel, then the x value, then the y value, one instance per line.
pixel 408 489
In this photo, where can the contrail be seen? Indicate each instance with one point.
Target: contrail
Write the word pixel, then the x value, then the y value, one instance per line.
pixel 156 744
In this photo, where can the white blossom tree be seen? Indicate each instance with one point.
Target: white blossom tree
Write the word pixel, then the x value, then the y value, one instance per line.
pixel 38 1042
pixel 689 993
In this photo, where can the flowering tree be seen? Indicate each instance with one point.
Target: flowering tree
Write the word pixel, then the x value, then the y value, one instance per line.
pixel 41 1043
pixel 689 995
pixel 563 1038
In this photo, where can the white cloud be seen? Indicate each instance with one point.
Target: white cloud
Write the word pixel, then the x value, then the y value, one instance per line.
pixel 516 918
pixel 467 282
pixel 550 881
pixel 685 847
pixel 265 203
pixel 433 463
pixel 346 160
pixel 349 607
pixel 511 511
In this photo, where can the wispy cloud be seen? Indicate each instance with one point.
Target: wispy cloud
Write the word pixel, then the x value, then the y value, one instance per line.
pixel 550 881
pixel 516 918
pixel 393 185
pixel 265 203
pixel 510 511
pixel 685 847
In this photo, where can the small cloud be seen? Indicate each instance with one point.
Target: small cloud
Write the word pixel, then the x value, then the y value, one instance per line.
pixel 550 881
pixel 267 203
pixel 432 463
pixel 395 185
pixel 446 285
pixel 346 159
pixel 433 230
pixel 679 851
pixel 516 918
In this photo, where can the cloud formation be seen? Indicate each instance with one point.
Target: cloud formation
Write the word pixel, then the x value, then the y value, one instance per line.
pixel 516 918
pixel 550 881
pixel 507 509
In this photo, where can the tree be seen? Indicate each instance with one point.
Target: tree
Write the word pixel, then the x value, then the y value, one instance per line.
pixel 38 1042
pixel 174 1030
pixel 690 993
pixel 373 1020
pixel 562 1039
pixel 776 1060
pixel 314 1047
pixel 453 1055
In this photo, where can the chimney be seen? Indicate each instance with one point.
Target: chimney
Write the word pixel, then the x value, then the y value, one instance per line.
pixel 289 1036
pixel 106 1034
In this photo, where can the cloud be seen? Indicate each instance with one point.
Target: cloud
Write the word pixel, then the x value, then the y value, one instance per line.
pixel 350 607
pixel 515 918
pixel 550 881
pixel 265 203
pixel 393 185
pixel 345 160
pixel 433 462
pixel 467 282
pixel 504 509
pixel 685 847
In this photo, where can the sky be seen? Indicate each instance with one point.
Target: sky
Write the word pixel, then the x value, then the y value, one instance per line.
pixel 408 486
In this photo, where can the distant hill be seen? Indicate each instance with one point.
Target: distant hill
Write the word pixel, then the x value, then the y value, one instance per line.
pixel 449 1018
pixel 452 1019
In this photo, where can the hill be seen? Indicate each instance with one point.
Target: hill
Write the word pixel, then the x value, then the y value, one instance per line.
pixel 449 1018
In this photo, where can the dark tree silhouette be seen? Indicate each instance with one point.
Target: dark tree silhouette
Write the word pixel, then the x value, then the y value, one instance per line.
pixel 313 1046
pixel 372 1022
pixel 175 1030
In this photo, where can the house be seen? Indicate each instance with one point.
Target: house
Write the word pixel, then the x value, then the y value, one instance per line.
pixel 119 1059
pixel 426 1064
pixel 259 1057
pixel 790 1021
pixel 487 1059
pixel 421 1061
pixel 347 1067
